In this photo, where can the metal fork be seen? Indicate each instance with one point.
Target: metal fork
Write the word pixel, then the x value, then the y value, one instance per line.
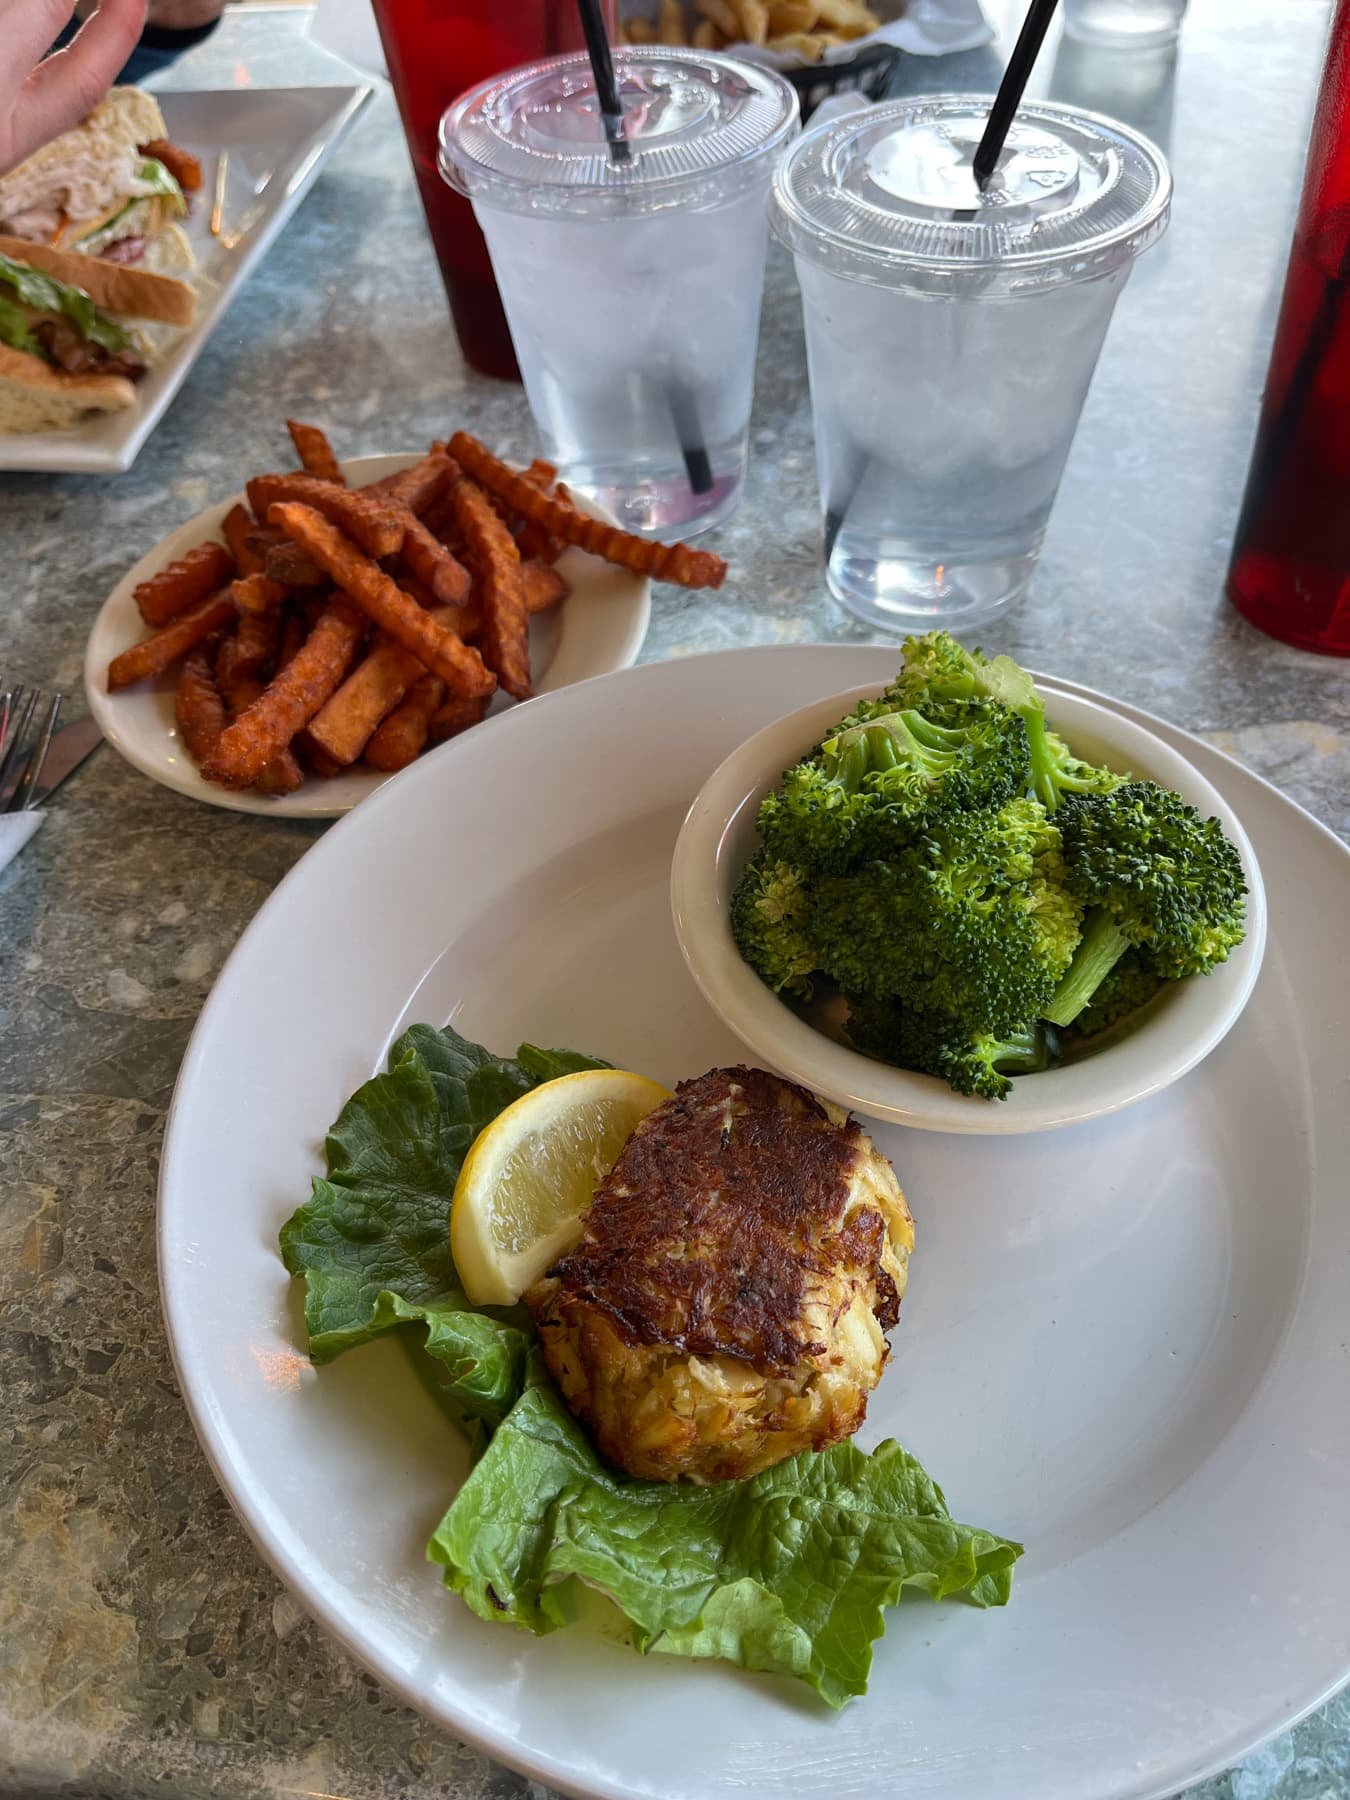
pixel 27 720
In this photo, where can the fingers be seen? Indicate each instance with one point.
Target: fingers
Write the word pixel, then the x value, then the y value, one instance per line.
pixel 28 28
pixel 61 90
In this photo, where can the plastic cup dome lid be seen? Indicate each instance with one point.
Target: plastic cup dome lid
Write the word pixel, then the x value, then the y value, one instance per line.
pixel 888 195
pixel 534 138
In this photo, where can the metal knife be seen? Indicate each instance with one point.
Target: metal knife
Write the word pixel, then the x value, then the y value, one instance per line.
pixel 66 752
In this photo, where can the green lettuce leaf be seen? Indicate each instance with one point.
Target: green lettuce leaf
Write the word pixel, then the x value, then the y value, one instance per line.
pixel 46 294
pixel 373 1240
pixel 14 328
pixel 157 179
pixel 788 1572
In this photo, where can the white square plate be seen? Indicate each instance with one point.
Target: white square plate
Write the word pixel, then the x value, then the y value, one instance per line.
pixel 277 140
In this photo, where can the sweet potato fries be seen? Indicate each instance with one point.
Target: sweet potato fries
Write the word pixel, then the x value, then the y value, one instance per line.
pixel 331 624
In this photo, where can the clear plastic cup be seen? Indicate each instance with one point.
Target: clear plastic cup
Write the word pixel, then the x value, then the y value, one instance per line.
pixel 952 333
pixel 1125 24
pixel 632 287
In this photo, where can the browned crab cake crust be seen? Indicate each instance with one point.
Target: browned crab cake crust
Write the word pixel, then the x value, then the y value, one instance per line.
pixel 726 1305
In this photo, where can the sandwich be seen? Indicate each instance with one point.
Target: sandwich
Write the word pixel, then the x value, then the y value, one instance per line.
pixel 113 187
pixel 78 332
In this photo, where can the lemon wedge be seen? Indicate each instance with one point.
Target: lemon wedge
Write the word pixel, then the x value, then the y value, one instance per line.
pixel 529 1177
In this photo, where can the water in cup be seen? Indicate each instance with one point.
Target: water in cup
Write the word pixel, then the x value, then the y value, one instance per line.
pixel 632 286
pixel 634 377
pixel 952 335
pixel 937 493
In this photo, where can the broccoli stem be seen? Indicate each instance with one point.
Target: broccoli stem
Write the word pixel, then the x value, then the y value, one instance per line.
pixel 1021 1052
pixel 1043 783
pixel 1100 949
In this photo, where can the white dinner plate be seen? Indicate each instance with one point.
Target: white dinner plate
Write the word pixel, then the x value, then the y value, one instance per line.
pixel 597 629
pixel 275 141
pixel 1124 1343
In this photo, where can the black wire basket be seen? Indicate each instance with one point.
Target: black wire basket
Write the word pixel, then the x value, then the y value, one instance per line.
pixel 868 73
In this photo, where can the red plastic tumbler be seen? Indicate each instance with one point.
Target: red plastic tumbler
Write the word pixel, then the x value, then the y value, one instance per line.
pixel 435 49
pixel 1290 573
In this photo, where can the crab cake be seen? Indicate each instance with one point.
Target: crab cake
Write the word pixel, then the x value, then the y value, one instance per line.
pixel 739 1265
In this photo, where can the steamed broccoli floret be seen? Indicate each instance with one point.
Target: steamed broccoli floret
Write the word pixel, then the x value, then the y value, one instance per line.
pixel 972 920
pixel 870 786
pixel 1130 985
pixel 937 671
pixel 933 1045
pixel 771 913
pixel 1153 874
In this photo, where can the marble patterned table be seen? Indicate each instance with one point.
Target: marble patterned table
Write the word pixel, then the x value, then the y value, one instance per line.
pixel 143 1646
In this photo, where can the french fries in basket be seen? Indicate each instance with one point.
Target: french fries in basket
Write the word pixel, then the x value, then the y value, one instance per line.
pixel 332 625
pixel 806 28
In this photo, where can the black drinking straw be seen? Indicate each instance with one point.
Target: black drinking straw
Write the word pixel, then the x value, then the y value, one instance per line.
pixel 607 89
pixel 1012 87
pixel 683 408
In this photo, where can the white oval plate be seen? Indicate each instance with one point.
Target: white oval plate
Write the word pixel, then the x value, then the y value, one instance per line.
pixel 599 628
pixel 720 834
pixel 1124 1343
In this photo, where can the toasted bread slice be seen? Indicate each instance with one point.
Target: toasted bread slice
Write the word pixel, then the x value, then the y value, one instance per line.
pixel 125 291
pixel 34 397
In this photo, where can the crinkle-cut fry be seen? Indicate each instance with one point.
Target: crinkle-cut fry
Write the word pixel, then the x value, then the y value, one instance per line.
pixel 402 737
pixel 258 593
pixel 537 543
pixel 283 774
pixel 431 563
pixel 198 710
pixel 293 634
pixel 662 562
pixel 670 24
pixel 790 15
pixel 544 586
pixel 419 487
pixel 504 635
pixel 754 16
pixel 534 542
pixel 262 731
pixel 435 646
pixel 366 518
pixel 454 716
pixel 285 563
pixel 344 723
pixel 806 44
pixel 153 655
pixel 315 452
pixel 639 31
pixel 236 528
pixel 253 648
pixel 315 758
pixel 706 36
pixel 183 583
pixel 722 15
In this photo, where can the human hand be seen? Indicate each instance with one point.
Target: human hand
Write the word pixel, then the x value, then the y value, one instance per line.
pixel 40 97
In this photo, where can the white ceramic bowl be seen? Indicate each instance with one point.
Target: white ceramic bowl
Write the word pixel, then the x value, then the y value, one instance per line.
pixel 718 838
